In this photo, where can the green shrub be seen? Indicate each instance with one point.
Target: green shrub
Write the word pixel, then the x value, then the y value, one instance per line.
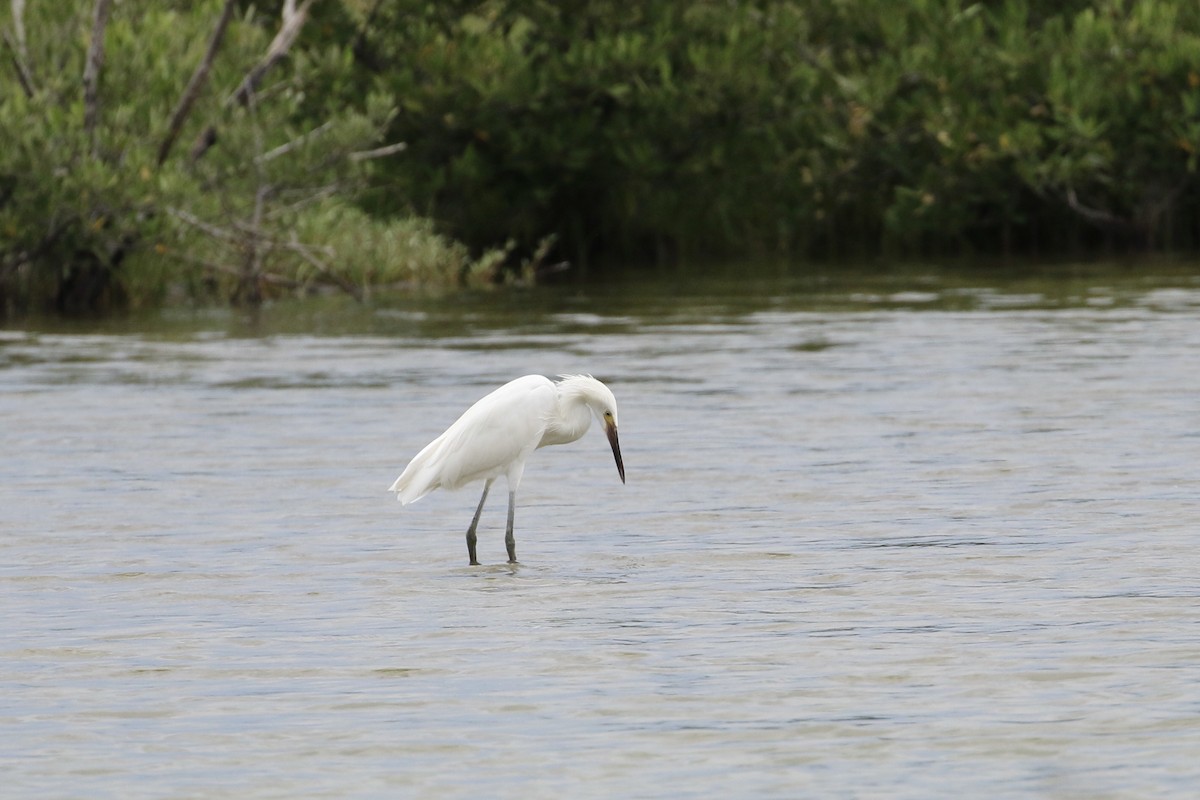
pixel 656 130
pixel 801 127
pixel 90 219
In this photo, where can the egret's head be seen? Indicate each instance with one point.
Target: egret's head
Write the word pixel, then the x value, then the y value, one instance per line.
pixel 603 404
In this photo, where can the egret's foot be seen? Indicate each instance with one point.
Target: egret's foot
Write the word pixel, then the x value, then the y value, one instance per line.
pixel 474 563
pixel 513 561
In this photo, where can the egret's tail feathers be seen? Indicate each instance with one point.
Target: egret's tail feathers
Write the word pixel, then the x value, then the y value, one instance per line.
pixel 417 480
pixel 409 490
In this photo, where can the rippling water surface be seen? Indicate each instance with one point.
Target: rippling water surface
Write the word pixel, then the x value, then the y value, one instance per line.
pixel 907 540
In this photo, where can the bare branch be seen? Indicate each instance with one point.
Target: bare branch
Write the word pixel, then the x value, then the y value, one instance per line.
pixel 91 70
pixel 345 284
pixel 243 234
pixel 199 224
pixel 23 76
pixel 289 30
pixel 379 152
pixel 19 47
pixel 18 15
pixel 1095 215
pixel 206 139
pixel 225 269
pixel 311 195
pixel 293 20
pixel 287 147
pixel 199 77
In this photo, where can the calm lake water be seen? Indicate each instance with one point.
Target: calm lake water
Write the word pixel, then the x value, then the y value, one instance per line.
pixel 908 537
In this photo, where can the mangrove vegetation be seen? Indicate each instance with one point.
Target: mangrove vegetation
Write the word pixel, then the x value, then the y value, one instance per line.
pixel 221 150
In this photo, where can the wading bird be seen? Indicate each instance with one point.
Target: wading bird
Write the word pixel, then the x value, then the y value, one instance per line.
pixel 495 436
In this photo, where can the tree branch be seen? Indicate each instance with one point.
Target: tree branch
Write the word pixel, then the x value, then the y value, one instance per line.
pixel 293 20
pixel 212 230
pixel 308 255
pixel 18 15
pixel 287 147
pixel 20 50
pixel 23 76
pixel 1095 215
pixel 311 196
pixel 242 233
pixel 289 29
pixel 199 77
pixel 379 152
pixel 225 269
pixel 91 70
pixel 252 268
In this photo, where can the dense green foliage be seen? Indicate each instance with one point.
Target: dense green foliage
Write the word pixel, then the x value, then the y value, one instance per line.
pixel 254 198
pixel 652 130
pixel 813 127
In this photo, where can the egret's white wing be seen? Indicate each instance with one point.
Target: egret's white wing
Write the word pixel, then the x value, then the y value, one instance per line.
pixel 500 429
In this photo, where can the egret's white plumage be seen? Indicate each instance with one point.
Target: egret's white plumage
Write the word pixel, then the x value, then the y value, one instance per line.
pixel 495 436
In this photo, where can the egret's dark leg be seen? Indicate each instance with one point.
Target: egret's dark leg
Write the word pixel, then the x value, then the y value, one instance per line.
pixel 510 541
pixel 475 524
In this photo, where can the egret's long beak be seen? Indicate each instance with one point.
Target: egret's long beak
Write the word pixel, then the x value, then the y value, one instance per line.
pixel 611 430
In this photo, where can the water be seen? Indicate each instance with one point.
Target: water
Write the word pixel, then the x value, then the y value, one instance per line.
pixel 916 539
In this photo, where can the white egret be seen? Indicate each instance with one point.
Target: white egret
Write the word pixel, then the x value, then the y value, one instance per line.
pixel 495 436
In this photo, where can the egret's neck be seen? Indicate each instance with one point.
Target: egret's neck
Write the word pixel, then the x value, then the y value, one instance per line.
pixel 572 421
